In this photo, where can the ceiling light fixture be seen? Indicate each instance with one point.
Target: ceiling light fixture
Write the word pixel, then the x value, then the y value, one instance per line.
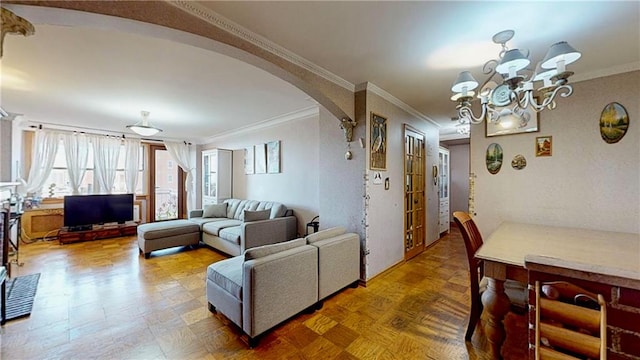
pixel 144 127
pixel 515 92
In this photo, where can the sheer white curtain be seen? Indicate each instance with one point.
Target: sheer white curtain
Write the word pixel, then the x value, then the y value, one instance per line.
pixel 131 162
pixel 45 147
pixel 180 152
pixel 105 163
pixel 76 150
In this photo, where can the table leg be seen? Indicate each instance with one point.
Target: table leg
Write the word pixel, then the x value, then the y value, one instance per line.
pixel 497 305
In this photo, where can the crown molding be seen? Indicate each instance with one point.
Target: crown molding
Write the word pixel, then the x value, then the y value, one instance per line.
pixel 395 101
pixel 238 30
pixel 301 114
pixel 614 70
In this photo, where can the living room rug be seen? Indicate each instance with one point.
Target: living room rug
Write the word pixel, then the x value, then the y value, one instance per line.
pixel 20 293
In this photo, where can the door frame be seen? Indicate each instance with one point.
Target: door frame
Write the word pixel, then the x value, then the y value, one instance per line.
pixel 420 247
pixel 152 184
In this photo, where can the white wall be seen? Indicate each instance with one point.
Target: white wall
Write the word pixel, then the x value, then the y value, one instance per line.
pixel 586 183
pixel 296 185
pixel 385 214
pixel 459 175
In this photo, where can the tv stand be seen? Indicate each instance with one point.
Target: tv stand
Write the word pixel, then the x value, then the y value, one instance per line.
pixel 66 236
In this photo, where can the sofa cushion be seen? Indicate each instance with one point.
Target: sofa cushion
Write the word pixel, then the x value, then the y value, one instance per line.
pixel 228 275
pixel 164 229
pixel 201 221
pixel 214 227
pixel 265 250
pixel 277 209
pixel 236 207
pixel 215 211
pixel 257 215
pixel 231 234
pixel 325 234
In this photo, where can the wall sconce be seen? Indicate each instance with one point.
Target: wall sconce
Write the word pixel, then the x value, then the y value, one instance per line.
pixel 347 125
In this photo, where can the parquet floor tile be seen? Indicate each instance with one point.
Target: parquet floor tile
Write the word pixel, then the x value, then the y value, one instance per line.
pixel 102 300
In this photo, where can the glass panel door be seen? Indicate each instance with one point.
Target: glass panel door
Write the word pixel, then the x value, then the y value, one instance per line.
pixel 414 222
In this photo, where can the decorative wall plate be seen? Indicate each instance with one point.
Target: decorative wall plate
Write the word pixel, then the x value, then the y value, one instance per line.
pixel 519 162
pixel 494 158
pixel 614 122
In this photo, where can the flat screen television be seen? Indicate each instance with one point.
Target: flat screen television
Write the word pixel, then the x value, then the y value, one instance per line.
pixel 82 211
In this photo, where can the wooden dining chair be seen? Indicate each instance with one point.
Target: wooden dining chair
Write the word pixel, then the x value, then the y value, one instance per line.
pixel 564 330
pixel 516 291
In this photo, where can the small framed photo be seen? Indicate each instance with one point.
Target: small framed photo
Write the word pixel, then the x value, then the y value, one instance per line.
pixel 543 145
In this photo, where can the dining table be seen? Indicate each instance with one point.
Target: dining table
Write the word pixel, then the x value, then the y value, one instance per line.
pixel 614 256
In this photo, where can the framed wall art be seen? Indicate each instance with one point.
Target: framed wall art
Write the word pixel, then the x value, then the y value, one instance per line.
pixel 614 122
pixel 248 160
pixel 273 157
pixel 543 146
pixel 260 159
pixel 522 121
pixel 378 149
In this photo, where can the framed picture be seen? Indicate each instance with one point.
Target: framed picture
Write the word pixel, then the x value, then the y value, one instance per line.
pixel 543 146
pixel 260 159
pixel 248 160
pixel 273 157
pixel 511 123
pixel 614 122
pixel 378 148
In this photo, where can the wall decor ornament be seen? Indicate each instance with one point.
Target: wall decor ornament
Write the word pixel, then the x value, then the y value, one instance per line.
pixel 494 158
pixel 519 162
pixel 378 148
pixel 273 157
pixel 543 146
pixel 614 122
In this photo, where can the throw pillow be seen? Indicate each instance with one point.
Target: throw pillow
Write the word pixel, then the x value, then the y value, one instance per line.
pixel 215 211
pixel 256 215
pixel 264 250
pixel 325 234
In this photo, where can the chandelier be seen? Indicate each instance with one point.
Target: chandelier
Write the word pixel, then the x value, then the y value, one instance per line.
pixel 144 127
pixel 514 92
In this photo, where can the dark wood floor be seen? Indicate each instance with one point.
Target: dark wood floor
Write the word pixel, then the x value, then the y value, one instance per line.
pixel 102 300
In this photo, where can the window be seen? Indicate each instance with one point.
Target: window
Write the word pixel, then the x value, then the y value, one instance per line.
pixel 57 185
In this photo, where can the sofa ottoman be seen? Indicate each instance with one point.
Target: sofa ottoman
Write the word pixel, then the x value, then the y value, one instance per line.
pixel 167 234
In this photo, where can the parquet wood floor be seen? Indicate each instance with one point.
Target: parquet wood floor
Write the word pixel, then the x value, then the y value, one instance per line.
pixel 101 300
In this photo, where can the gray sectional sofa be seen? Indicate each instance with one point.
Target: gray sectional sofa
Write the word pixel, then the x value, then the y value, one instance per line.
pixel 236 225
pixel 267 285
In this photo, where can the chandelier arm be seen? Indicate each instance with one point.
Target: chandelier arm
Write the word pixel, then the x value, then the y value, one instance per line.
pixel 465 113
pixel 562 90
pixel 522 98
pixel 489 69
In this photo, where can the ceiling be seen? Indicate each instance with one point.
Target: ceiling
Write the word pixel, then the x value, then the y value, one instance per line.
pixel 77 71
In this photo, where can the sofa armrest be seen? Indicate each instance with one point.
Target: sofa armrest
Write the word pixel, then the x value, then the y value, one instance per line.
pixel 278 286
pixel 195 213
pixel 264 232
pixel 338 263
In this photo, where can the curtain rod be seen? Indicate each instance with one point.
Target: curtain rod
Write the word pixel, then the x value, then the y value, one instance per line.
pixel 89 131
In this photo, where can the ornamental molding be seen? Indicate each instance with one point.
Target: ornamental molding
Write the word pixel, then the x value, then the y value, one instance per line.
pixel 395 101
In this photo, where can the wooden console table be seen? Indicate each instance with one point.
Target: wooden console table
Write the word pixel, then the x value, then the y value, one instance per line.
pixel 103 232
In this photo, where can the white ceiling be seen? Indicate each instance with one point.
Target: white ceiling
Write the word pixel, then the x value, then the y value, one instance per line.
pixel 93 76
